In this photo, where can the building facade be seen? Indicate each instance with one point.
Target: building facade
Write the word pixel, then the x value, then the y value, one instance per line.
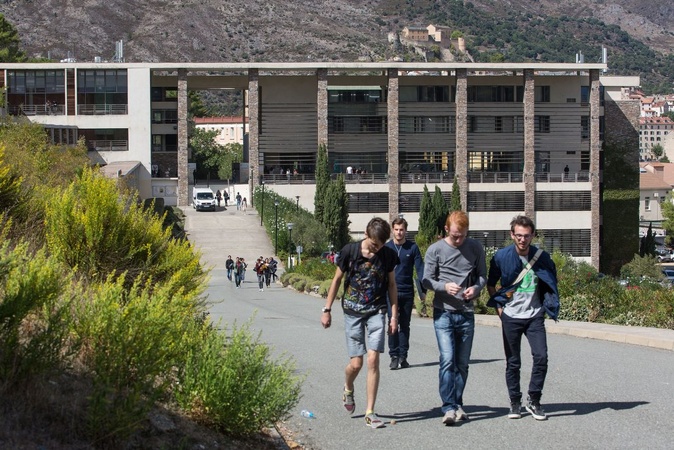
pixel 518 138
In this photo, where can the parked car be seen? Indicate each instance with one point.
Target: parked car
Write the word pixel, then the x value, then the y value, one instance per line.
pixel 669 274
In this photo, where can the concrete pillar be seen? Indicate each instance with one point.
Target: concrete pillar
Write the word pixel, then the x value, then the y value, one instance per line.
pixel 595 179
pixel 254 130
pixel 322 106
pixel 529 145
pixel 461 157
pixel 393 99
pixel 183 176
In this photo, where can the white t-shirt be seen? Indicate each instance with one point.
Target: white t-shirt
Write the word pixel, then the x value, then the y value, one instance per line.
pixel 525 303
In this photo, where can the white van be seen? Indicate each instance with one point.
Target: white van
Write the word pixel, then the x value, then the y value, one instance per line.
pixel 203 198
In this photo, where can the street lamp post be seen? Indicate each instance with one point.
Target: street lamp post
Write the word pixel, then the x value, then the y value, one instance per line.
pixel 486 235
pixel 290 243
pixel 276 227
pixel 262 204
pixel 298 202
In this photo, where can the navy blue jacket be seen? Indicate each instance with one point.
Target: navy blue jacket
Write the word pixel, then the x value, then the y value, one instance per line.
pixel 410 258
pixel 506 265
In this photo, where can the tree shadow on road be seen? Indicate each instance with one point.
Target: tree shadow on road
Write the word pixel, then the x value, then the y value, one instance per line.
pixel 580 409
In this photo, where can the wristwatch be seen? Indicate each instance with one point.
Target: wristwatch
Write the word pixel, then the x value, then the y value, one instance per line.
pixel 326 309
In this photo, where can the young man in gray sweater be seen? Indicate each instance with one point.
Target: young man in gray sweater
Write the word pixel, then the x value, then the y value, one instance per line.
pixel 456 270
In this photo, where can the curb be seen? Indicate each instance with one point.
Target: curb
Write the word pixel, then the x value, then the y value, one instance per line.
pixel 659 338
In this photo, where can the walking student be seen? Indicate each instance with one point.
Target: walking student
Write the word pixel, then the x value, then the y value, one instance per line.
pixel 410 258
pixel 528 280
pixel 239 271
pixel 229 265
pixel 455 269
pixel 368 266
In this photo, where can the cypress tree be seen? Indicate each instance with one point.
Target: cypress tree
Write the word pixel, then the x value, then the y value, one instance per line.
pixel 336 212
pixel 440 211
pixel 426 219
pixel 322 182
pixel 456 196
pixel 9 42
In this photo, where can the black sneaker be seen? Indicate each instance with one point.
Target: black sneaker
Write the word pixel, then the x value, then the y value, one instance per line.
pixel 403 363
pixel 395 363
pixel 534 407
pixel 515 410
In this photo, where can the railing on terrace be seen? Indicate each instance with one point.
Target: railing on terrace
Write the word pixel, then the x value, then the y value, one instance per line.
pixel 430 177
pixel 495 177
pixel 302 178
pixel 37 110
pixel 562 177
pixel 108 145
pixel 90 110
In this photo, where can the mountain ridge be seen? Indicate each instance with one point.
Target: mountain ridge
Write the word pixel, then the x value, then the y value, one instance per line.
pixel 345 30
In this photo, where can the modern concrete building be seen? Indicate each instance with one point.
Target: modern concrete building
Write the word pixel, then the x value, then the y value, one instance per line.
pixel 518 137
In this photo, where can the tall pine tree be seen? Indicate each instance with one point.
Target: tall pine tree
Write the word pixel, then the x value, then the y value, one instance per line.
pixel 9 42
pixel 322 182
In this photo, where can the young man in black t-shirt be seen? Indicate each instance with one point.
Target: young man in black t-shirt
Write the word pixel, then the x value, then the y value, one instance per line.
pixel 369 267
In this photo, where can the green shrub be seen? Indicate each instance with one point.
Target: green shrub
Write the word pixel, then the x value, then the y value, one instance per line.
pixel 299 283
pixel 93 227
pixel 231 382
pixel 130 341
pixel 34 315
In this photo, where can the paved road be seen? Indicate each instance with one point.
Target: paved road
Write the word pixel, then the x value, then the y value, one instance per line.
pixel 599 394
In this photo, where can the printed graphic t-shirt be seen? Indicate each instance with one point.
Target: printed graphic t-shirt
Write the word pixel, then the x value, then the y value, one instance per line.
pixel 367 279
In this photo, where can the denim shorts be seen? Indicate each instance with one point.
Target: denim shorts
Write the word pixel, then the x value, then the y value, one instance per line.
pixel 358 327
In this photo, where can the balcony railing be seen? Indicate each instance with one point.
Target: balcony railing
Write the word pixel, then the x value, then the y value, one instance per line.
pixel 106 145
pixel 37 110
pixel 495 177
pixel 426 177
pixel 549 177
pixel 92 110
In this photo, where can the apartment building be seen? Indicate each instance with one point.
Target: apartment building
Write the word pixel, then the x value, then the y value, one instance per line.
pixel 518 137
pixel 655 184
pixel 231 130
pixel 655 131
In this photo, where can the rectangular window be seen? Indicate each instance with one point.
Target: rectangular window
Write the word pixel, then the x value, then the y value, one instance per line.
pixel 542 124
pixel 647 203
pixel 542 94
pixel 585 95
pixel 424 124
pixel 563 201
pixel 585 127
pixel 500 94
pixel 425 94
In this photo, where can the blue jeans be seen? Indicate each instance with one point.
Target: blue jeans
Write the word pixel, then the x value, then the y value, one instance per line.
pixel 229 274
pixel 454 332
pixel 399 343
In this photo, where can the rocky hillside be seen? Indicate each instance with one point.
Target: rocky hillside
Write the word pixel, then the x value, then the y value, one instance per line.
pixel 346 30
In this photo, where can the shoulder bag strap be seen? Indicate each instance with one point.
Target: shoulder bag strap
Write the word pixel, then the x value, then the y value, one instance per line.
pixel 527 267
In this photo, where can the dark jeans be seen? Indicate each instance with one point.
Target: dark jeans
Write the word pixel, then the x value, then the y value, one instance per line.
pixel 399 343
pixel 260 280
pixel 534 330
pixel 237 279
pixel 229 274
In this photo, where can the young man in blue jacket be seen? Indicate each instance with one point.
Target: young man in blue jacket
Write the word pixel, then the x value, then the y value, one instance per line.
pixel 521 302
pixel 410 259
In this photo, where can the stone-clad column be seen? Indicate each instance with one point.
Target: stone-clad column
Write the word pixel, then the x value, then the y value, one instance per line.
pixel 183 176
pixel 595 180
pixel 254 129
pixel 393 157
pixel 529 147
pixel 322 106
pixel 461 157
